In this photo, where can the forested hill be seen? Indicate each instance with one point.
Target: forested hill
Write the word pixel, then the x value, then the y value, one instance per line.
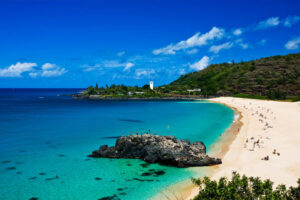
pixel 276 77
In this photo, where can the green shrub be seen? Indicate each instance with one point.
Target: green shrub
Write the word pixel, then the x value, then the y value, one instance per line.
pixel 244 188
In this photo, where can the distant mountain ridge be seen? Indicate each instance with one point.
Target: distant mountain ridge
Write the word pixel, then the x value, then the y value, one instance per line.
pixel 275 77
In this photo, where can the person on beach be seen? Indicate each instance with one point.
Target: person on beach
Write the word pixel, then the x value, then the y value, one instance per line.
pixel 137 133
pixel 266 158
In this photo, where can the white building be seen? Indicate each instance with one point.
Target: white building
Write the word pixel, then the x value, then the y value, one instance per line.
pixel 195 90
pixel 151 85
pixel 140 92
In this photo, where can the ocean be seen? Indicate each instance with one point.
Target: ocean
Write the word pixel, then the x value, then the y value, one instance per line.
pixel 45 137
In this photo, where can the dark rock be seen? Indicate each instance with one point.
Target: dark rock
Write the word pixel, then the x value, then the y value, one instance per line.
pixel 165 150
pixel 145 165
pixel 142 180
pixel 159 173
pixel 33 198
pixel 114 197
pixel 53 178
pixel 33 178
pixel 138 179
pixel 42 173
pixel 98 179
pixel 131 120
pixel 11 168
pixel 5 161
pixel 146 174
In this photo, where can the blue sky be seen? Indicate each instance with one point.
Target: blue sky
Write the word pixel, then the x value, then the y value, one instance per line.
pixel 65 43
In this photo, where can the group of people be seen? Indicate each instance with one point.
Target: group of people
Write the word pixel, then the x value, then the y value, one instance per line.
pixel 142 133
pixel 274 152
pixel 265 117
pixel 259 143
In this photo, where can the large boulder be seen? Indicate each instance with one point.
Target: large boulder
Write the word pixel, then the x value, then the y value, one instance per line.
pixel 165 150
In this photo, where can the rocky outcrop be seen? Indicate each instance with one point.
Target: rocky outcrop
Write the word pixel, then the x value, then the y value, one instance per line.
pixel 165 150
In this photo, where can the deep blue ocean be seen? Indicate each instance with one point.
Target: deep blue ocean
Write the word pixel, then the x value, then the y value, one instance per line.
pixel 45 137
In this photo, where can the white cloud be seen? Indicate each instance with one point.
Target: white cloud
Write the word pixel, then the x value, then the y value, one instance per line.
pixel 48 66
pixel 108 64
pixel 112 64
pixel 262 42
pixel 121 53
pixel 242 44
pixel 201 64
pixel 17 69
pixel 144 73
pixel 33 74
pixel 182 71
pixel 53 72
pixel 293 44
pixel 88 68
pixel 217 48
pixel 49 70
pixel 270 22
pixel 237 31
pixel 128 66
pixel 290 20
pixel 46 70
pixel 196 40
pixel 192 51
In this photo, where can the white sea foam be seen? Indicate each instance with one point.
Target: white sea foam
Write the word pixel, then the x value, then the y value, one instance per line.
pixel 236 117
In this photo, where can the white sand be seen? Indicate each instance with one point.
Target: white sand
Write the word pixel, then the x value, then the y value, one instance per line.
pixel 282 132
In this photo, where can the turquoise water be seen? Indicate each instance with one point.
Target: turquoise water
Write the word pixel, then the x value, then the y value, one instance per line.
pixel 45 138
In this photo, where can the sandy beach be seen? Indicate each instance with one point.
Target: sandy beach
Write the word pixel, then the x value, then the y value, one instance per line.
pixel 267 144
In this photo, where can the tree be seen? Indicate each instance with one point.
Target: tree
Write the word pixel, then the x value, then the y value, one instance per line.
pixel 146 87
pixel 91 90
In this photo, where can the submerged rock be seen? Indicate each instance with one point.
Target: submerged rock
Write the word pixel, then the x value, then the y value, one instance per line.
pixel 165 150
pixel 114 197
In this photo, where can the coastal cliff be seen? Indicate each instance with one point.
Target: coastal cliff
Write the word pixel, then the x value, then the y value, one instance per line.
pixel 165 150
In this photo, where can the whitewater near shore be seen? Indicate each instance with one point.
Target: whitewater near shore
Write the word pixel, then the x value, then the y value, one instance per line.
pixel 267 144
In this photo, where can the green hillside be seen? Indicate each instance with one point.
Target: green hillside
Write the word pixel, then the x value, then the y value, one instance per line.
pixel 276 77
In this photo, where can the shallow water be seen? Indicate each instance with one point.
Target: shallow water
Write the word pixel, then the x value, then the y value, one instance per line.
pixel 46 136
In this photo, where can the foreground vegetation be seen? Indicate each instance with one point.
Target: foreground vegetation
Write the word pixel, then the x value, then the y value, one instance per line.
pixel 246 188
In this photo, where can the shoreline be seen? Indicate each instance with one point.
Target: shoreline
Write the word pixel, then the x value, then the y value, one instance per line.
pixel 274 124
pixel 186 189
